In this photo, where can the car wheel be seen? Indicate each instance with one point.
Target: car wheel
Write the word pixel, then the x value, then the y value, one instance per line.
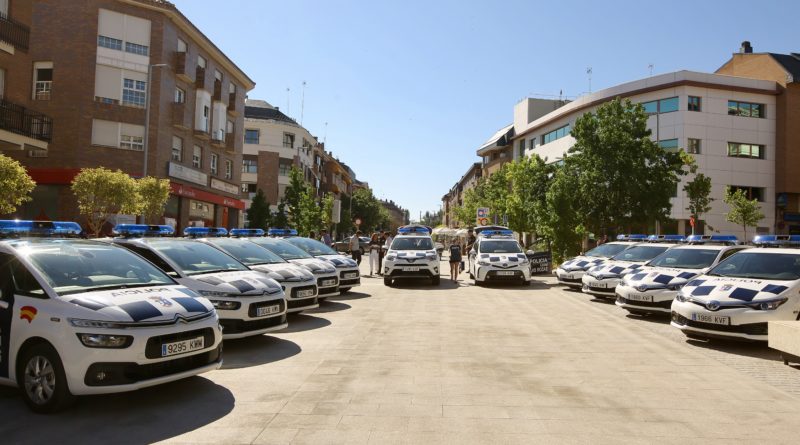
pixel 344 290
pixel 41 378
pixel 435 280
pixel 387 281
pixel 525 282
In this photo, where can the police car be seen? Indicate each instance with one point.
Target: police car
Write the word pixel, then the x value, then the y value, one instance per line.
pixel 324 271
pixel 497 256
pixel 349 275
pixel 570 272
pixel 297 282
pixel 248 302
pixel 601 280
pixel 81 317
pixel 739 296
pixel 411 255
pixel 651 289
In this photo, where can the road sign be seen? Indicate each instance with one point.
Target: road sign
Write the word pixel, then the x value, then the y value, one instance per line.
pixel 482 216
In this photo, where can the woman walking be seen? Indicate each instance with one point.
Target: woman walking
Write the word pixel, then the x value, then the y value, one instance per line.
pixel 455 259
pixel 375 246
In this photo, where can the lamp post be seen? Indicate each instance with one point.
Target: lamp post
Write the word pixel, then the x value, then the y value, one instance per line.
pixel 146 138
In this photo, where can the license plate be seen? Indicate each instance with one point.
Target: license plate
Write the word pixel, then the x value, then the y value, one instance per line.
pixel 411 269
pixel 599 285
pixel 505 272
pixel 267 310
pixel 182 347
pixel 328 282
pixel 640 297
pixel 713 319
pixel 305 293
pixel 566 276
pixel 351 275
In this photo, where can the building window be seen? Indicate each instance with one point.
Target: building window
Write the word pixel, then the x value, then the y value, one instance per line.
pixel 521 148
pixel 668 144
pixel 228 169
pixel 229 127
pixel 206 116
pixel 201 62
pixel 661 106
pixel 555 134
pixel 745 109
pixel 738 150
pixel 693 146
pixel 135 48
pixel 197 157
pixel 251 136
pixel 133 93
pixel 288 140
pixel 694 103
pixel 43 80
pixel 180 96
pixel 181 46
pixel 177 149
pixel 214 161
pixel 110 43
pixel 232 89
pixel 131 142
pixel 756 193
pixel 249 166
pixel 218 75
pixel 284 167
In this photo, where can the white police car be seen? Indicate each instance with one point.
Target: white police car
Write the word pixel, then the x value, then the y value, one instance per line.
pixel 349 275
pixel 248 302
pixel 651 289
pixel 739 296
pixel 81 317
pixel 298 283
pixel 411 255
pixel 324 271
pixel 497 256
pixel 601 280
pixel 570 272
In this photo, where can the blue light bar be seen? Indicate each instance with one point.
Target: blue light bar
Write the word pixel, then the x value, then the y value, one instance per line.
pixel 777 240
pixel 38 228
pixel 246 232
pixel 631 237
pixel 483 229
pixel 142 230
pixel 666 238
pixel 496 232
pixel 700 239
pixel 281 232
pixel 201 232
pixel 414 229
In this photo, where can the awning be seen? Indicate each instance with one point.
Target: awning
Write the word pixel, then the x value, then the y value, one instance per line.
pixel 500 139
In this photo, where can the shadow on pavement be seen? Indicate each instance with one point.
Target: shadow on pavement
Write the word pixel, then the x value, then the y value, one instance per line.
pixel 328 306
pixel 349 296
pixel 425 284
pixel 302 322
pixel 650 318
pixel 145 416
pixel 745 349
pixel 258 350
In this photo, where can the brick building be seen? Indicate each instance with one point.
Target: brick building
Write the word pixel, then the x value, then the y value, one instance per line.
pixel 87 68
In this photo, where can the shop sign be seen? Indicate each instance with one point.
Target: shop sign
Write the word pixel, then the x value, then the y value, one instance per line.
pixel 187 174
pixel 224 186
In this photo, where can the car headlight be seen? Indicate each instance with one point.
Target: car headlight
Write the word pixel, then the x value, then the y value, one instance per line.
pixel 769 305
pixel 682 297
pixel 212 293
pixel 222 305
pixel 105 341
pixel 484 263
pixel 390 257
pixel 675 286
pixel 431 256
pixel 79 323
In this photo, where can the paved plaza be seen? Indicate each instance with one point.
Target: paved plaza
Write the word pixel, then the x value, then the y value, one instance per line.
pixel 451 364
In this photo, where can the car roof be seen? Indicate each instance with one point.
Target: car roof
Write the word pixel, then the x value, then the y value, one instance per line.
pixel 772 250
pixel 18 242
pixel 708 246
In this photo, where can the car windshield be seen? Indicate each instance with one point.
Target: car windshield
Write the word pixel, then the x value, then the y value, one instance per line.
pixel 640 253
pixel 760 265
pixel 607 250
pixel 412 243
pixel 76 267
pixel 195 258
pixel 246 252
pixel 685 258
pixel 283 249
pixel 311 246
pixel 499 247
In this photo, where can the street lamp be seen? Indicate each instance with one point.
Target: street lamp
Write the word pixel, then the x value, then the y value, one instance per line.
pixel 146 138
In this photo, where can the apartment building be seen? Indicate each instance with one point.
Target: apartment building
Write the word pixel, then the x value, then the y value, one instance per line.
pixel 93 66
pixel 455 197
pixel 727 123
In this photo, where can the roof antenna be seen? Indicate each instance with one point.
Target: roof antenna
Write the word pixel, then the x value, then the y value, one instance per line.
pixel 302 103
pixel 651 69
pixel 288 108
pixel 589 73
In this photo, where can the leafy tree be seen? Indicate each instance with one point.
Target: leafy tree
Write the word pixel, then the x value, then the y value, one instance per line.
pixel 369 209
pixel 526 204
pixel 101 193
pixel 280 219
pixel 153 195
pixel 293 197
pixel 15 185
pixel 744 212
pixel 561 221
pixel 258 215
pixel 698 190
pixel 327 211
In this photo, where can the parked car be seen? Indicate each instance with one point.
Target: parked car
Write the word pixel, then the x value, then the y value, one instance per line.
pixel 344 244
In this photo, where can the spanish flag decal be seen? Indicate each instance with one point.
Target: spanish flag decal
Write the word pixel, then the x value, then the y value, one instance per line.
pixel 27 313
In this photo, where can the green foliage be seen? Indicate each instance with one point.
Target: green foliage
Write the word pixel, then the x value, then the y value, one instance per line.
pixel 744 212
pixel 280 219
pixel 101 193
pixel 699 192
pixel 432 219
pixel 367 208
pixel 15 185
pixel 327 211
pixel 153 194
pixel 293 197
pixel 526 204
pixel 562 222
pixel 259 215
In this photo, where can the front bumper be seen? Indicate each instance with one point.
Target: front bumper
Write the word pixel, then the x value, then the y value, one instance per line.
pixel 244 322
pixel 652 300
pixel 492 273
pixel 294 303
pixel 599 287
pixel 349 277
pixel 327 285
pixel 732 323
pixel 400 270
pixel 571 279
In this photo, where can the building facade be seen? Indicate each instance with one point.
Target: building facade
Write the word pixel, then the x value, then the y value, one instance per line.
pixel 455 197
pixel 93 66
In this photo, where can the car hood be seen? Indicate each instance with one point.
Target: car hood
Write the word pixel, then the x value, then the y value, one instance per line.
pixel 339 260
pixel 315 265
pixel 503 259
pixel 582 262
pixel 733 291
pixel 150 304
pixel 284 272
pixel 615 268
pixel 246 282
pixel 660 277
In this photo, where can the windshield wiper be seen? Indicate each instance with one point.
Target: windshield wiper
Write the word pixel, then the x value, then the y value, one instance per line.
pixel 112 287
pixel 213 271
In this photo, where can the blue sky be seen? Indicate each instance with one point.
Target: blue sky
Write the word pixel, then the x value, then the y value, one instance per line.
pixel 410 89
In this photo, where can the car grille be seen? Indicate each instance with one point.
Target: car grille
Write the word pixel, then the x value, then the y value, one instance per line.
pixel 127 373
pixel 402 273
pixel 570 280
pixel 153 347
pixel 749 328
pixel 253 309
pixel 239 326
pixel 493 275
pixel 298 289
pixel 655 304
pixel 320 280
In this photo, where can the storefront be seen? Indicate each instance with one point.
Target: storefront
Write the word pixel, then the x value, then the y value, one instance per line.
pixel 191 207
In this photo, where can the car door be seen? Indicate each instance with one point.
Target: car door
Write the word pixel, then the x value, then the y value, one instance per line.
pixel 6 311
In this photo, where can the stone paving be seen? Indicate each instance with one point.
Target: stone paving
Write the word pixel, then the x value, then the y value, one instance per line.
pixel 451 364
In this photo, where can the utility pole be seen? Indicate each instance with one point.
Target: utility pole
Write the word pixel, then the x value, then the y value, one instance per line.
pixel 302 103
pixel 288 103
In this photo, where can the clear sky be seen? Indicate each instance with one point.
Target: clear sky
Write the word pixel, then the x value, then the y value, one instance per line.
pixel 410 89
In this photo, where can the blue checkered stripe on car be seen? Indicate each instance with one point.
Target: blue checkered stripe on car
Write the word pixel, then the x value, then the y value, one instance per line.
pixel 735 292
pixel 663 278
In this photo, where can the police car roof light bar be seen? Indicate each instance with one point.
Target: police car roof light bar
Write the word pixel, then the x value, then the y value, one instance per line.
pixel 246 232
pixel 16 228
pixel 712 239
pixel 777 240
pixel 414 228
pixel 204 232
pixel 666 238
pixel 496 232
pixel 632 237
pixel 142 230
pixel 281 232
pixel 481 229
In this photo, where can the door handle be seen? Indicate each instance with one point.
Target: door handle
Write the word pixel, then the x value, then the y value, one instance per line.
pixel 3 304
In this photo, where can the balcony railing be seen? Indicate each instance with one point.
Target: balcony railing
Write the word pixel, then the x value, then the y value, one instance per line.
pixel 14 33
pixel 20 120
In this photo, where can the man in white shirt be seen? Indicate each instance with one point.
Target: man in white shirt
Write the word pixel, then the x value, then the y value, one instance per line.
pixel 355 247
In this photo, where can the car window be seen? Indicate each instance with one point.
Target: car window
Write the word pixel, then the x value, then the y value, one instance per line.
pixel 759 265
pixel 6 284
pixel 247 252
pixel 728 253
pixel 149 255
pixel 194 257
pixel 640 253
pixel 24 282
pixel 311 246
pixel 489 246
pixel 685 258
pixel 285 250
pixel 412 243
pixel 607 250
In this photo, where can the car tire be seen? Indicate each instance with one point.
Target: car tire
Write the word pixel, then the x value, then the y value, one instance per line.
pixel 525 282
pixel 39 371
pixel 344 290
pixel 436 280
pixel 471 276
pixel 387 281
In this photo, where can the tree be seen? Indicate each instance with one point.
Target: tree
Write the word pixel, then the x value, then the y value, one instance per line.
pixel 293 197
pixel 327 211
pixel 280 219
pixel 562 221
pixel 369 210
pixel 258 215
pixel 153 194
pixel 526 204
pixel 15 185
pixel 744 212
pixel 101 193
pixel 698 190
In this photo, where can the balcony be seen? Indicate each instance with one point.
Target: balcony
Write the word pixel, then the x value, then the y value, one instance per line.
pixel 14 33
pixel 217 96
pixel 202 131
pixel 230 142
pixel 180 68
pixel 22 128
pixel 218 138
pixel 180 118
pixel 200 78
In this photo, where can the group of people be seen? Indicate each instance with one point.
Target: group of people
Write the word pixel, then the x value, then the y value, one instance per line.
pixel 324 237
pixel 379 243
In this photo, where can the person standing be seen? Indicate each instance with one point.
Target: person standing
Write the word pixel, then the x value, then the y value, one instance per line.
pixel 355 247
pixel 312 235
pixel 375 246
pixel 470 242
pixel 326 238
pixel 455 259
pixel 382 251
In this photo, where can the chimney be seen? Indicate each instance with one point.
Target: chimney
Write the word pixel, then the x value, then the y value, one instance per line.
pixel 746 48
